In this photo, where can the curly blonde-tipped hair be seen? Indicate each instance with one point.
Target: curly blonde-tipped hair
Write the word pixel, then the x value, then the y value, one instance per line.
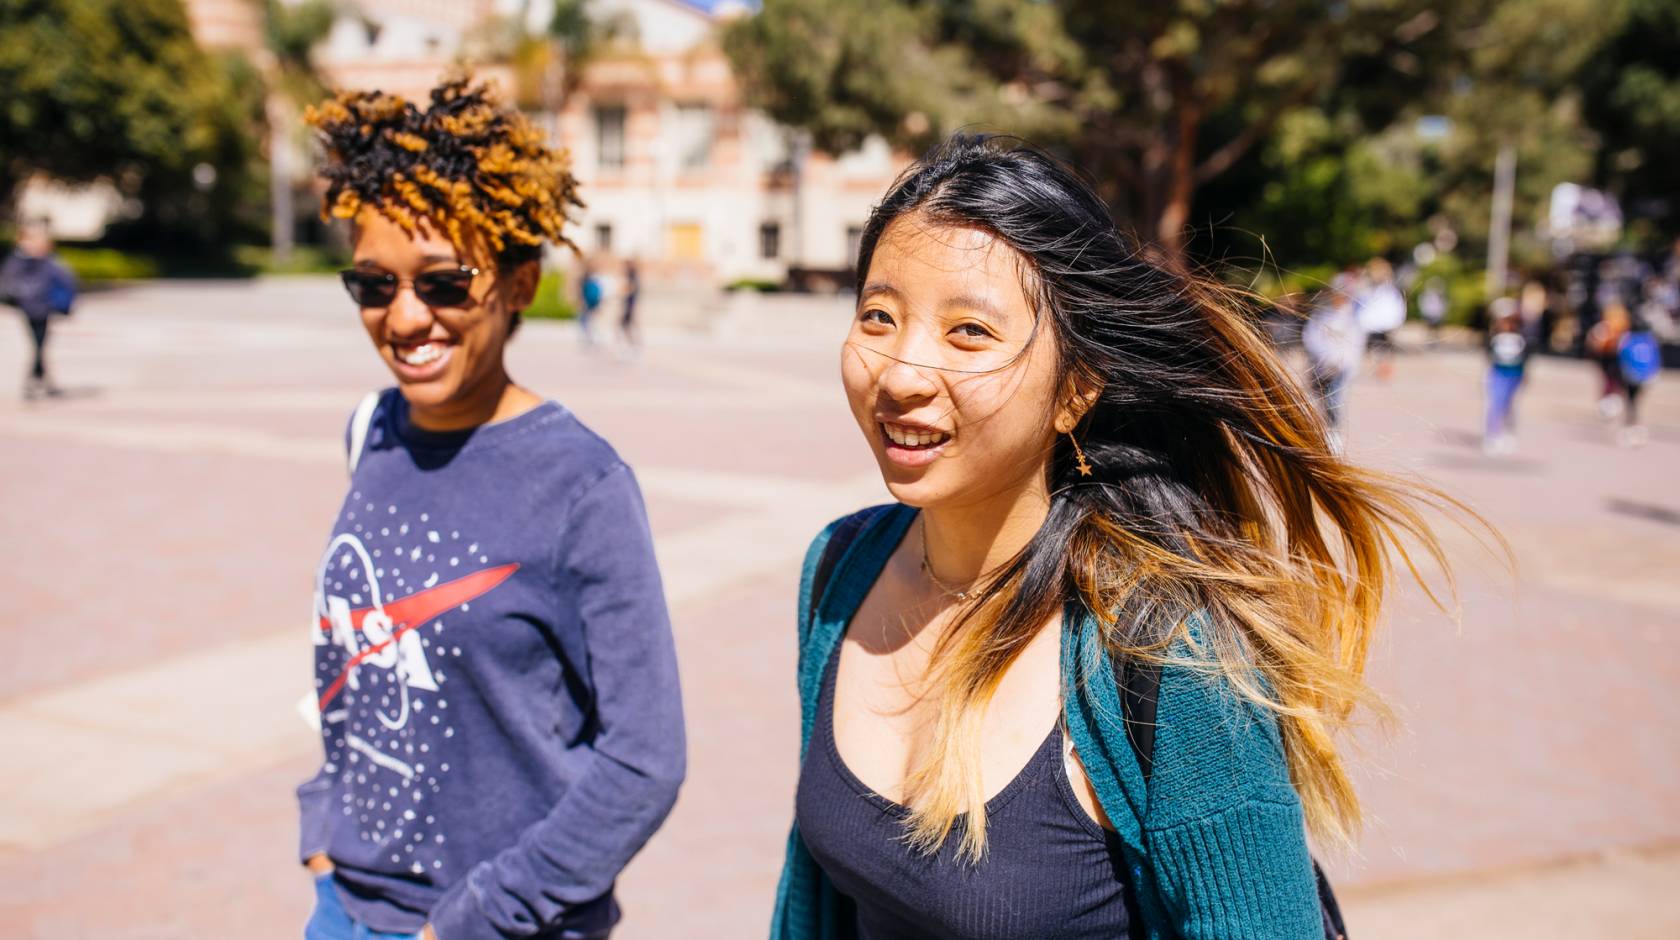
pixel 482 173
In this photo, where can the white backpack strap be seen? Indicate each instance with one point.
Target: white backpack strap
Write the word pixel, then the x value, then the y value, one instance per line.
pixel 359 424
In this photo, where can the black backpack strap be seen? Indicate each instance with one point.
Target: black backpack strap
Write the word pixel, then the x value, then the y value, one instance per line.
pixel 845 533
pixel 1140 685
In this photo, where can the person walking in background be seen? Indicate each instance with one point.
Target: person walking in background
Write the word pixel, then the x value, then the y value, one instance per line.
pixel 1334 342
pixel 38 284
pixel 494 668
pixel 1432 306
pixel 628 331
pixel 591 291
pixel 1110 499
pixel 1382 310
pixel 1638 360
pixel 1508 350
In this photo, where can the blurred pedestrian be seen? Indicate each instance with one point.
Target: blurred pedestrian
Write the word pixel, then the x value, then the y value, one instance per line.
pixel 1334 342
pixel 591 291
pixel 628 331
pixel 1508 350
pixel 1603 343
pixel 1102 510
pixel 1639 361
pixel 1432 306
pixel 36 282
pixel 494 668
pixel 1381 310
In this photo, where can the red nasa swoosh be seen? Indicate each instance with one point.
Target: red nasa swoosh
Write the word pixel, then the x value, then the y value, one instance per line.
pixel 416 610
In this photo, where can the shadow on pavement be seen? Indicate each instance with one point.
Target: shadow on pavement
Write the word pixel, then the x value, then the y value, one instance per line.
pixel 1639 510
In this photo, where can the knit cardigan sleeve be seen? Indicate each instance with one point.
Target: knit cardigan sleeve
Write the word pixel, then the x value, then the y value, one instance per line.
pixel 1224 832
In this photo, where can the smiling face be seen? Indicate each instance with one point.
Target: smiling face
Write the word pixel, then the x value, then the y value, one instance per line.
pixel 949 373
pixel 447 359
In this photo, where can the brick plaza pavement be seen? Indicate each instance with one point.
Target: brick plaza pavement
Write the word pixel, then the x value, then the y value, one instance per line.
pixel 161 527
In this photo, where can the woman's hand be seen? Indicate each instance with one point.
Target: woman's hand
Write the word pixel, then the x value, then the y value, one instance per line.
pixel 427 933
pixel 318 864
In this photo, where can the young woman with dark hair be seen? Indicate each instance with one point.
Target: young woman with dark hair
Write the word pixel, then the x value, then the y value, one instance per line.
pixel 1112 498
pixel 494 669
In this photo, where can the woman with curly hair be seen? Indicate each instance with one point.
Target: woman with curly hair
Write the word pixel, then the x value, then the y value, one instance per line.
pixel 495 674
pixel 1083 678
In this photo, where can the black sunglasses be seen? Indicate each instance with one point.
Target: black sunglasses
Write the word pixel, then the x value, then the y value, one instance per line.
pixel 447 288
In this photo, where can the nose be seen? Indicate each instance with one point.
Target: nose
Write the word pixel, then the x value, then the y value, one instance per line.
pixel 407 315
pixel 906 383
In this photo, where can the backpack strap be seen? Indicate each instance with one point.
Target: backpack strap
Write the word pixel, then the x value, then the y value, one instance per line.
pixel 359 424
pixel 845 533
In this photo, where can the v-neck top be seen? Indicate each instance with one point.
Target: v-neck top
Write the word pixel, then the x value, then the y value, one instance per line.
pixel 1049 869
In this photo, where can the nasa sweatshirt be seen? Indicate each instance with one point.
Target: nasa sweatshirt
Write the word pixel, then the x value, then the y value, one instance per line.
pixel 496 680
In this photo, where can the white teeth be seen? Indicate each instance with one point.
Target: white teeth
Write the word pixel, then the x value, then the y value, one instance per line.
pixel 420 355
pixel 906 437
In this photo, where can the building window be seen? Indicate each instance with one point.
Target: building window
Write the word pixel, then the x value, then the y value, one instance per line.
pixel 603 237
pixel 770 240
pixel 609 137
pixel 695 128
pixel 684 241
pixel 854 240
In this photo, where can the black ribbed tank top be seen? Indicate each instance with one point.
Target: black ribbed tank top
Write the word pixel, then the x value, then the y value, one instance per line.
pixel 1049 870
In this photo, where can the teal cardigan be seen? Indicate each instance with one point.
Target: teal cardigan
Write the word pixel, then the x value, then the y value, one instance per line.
pixel 1215 844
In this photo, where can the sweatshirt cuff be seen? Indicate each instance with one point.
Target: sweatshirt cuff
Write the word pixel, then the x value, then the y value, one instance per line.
pixel 457 916
pixel 315 817
pixel 1241 874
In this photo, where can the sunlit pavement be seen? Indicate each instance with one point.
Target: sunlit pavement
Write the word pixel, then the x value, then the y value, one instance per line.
pixel 162 522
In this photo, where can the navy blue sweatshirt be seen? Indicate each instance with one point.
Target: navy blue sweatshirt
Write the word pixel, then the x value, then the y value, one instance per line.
pixel 496 678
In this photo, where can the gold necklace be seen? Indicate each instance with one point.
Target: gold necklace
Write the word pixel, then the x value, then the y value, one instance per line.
pixel 927 569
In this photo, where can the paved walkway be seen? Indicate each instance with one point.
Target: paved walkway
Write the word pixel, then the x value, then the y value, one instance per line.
pixel 162 525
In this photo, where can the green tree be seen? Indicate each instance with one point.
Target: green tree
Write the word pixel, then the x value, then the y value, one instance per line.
pixel 119 90
pixel 1155 100
pixel 1631 91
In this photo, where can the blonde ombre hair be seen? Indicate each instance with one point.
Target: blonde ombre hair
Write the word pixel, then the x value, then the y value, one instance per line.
pixel 1215 498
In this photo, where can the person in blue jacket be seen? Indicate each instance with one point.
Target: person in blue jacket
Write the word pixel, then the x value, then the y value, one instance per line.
pixel 38 284
pixel 1082 679
pixel 494 669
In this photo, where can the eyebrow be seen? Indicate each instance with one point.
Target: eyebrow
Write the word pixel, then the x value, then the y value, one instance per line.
pixel 425 261
pixel 880 287
pixel 976 303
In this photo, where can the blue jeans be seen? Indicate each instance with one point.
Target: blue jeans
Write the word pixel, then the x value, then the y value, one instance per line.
pixel 1501 395
pixel 332 922
pixel 1331 388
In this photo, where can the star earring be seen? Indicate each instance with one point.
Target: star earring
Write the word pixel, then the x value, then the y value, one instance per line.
pixel 1083 466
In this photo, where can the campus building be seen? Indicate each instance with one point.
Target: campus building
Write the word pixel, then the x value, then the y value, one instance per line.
pixel 677 172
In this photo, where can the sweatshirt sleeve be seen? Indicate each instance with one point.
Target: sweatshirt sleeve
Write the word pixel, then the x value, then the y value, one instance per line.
pixel 575 853
pixel 1225 831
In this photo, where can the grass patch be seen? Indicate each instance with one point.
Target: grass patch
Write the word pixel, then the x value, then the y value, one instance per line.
pixel 551 302
pixel 107 264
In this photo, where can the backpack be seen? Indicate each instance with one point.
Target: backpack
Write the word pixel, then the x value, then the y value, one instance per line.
pixel 61 290
pixel 1639 356
pixel 1138 685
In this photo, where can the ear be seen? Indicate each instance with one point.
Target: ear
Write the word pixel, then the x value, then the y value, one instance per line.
pixel 1078 399
pixel 518 285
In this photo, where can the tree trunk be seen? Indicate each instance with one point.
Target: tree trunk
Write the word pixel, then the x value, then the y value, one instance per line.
pixel 1180 183
pixel 280 181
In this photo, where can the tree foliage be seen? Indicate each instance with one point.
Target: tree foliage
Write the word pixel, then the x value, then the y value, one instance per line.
pixel 1153 99
pixel 119 90
pixel 1631 88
